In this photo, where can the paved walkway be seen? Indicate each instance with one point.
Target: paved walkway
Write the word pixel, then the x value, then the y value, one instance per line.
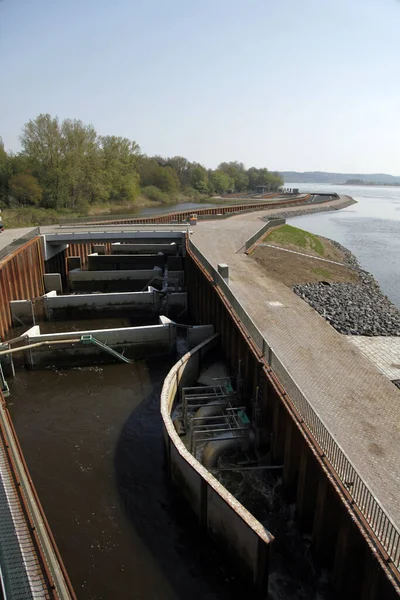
pixel 356 402
pixel 9 235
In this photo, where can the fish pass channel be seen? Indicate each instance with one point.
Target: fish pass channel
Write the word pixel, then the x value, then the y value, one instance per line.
pixel 92 438
pixel 91 433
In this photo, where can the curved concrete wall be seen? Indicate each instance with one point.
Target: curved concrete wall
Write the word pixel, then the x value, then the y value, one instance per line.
pixel 224 517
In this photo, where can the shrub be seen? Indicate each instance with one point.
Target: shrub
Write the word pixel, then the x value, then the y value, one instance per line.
pixel 154 193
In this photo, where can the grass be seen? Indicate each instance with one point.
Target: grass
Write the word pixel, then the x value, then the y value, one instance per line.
pixel 288 235
pixel 323 273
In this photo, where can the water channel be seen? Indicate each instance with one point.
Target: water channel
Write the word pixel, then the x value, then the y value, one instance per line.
pixel 92 438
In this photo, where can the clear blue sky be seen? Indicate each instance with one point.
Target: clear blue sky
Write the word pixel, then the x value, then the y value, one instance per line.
pixel 287 84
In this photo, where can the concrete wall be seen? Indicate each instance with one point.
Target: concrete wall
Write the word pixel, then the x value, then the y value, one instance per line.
pixel 150 302
pixel 22 312
pixel 262 231
pixel 198 334
pixel 123 262
pixel 112 281
pixel 240 534
pixel 138 341
pixel 168 249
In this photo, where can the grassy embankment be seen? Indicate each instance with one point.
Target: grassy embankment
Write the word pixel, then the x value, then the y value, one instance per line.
pixel 292 268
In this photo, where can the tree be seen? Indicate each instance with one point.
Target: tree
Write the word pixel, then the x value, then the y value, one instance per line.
pixel 237 171
pixel 166 179
pixel 25 189
pixel 80 166
pixel 41 143
pixel 119 163
pixel 221 182
pixel 199 179
pixel 4 174
pixel 182 167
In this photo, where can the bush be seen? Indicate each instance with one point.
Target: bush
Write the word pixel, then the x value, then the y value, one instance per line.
pixel 154 193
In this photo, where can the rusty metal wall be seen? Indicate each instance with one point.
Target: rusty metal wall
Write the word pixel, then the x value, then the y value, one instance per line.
pixel 83 250
pixel 21 278
pixel 290 440
pixel 183 216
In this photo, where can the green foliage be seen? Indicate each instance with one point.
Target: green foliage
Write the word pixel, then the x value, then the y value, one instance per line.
pixel 238 173
pixel 199 179
pixel 154 193
pixel 67 165
pixel 288 235
pixel 24 189
pixel 221 181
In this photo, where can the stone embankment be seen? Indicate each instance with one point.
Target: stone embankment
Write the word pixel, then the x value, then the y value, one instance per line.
pixel 309 209
pixel 353 308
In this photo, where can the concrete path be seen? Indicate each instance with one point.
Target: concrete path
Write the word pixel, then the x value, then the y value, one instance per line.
pixel 9 235
pixel 356 402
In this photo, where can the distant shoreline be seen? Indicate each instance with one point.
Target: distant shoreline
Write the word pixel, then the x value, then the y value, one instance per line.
pixel 367 184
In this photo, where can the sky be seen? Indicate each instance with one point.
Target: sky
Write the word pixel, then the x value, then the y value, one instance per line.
pixel 283 84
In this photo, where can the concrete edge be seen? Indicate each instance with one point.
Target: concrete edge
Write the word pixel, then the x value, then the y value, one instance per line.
pixel 166 405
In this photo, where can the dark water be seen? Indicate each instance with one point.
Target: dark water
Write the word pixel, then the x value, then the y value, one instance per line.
pixel 92 437
pixel 370 229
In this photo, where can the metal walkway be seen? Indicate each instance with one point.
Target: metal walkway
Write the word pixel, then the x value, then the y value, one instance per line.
pixel 30 565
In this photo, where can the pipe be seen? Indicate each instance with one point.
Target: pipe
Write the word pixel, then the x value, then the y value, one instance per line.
pixel 212 409
pixel 216 447
pixel 37 344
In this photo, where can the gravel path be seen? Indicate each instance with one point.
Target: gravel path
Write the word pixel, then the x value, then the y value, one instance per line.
pixel 353 308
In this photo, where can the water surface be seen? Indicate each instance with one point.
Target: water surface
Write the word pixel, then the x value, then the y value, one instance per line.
pixel 370 229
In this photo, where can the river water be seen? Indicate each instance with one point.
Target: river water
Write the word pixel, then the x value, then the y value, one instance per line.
pixel 370 229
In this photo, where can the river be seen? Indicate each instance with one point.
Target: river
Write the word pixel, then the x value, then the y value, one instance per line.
pixel 370 229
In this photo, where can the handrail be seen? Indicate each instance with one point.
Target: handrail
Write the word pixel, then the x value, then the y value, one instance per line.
pixel 362 497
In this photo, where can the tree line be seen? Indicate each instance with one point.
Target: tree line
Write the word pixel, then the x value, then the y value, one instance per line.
pixel 68 165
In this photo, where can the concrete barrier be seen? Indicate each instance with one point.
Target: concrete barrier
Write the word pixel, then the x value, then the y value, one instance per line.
pixel 139 341
pixel 113 281
pixel 168 249
pixel 124 262
pixel 220 513
pixel 149 303
pixel 52 281
pixel 22 312
pixel 263 230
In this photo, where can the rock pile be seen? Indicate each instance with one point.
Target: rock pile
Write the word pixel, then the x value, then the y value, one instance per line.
pixel 353 308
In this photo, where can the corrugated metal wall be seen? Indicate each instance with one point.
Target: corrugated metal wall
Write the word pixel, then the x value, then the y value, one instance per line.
pixel 21 278
pixel 83 250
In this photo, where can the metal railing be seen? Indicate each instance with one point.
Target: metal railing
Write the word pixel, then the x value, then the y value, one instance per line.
pixel 18 242
pixel 361 496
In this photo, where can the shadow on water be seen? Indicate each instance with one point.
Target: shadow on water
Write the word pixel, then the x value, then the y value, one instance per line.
pixel 194 566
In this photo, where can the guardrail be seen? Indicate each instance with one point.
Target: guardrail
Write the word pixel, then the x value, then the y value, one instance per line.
pixel 18 242
pixel 361 496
